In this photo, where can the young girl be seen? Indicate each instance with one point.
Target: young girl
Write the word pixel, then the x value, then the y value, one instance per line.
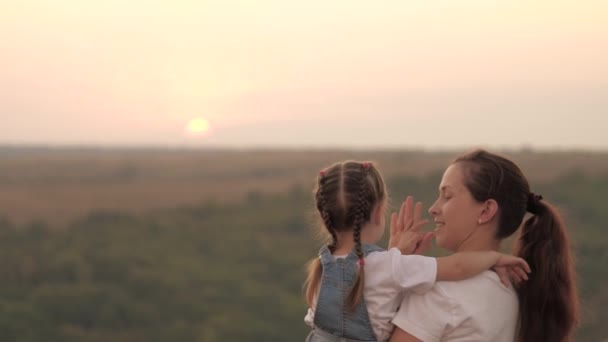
pixel 354 287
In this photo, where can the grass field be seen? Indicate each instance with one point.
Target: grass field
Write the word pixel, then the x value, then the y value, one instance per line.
pixel 177 245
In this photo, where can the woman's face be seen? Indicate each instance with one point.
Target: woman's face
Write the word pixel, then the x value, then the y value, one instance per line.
pixel 455 212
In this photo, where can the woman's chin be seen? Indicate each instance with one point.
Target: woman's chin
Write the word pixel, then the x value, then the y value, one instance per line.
pixel 440 239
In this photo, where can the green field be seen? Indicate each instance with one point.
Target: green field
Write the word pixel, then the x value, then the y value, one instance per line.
pixel 161 245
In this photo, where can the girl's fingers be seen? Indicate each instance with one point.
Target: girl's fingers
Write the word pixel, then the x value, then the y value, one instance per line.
pixel 417 212
pixel 522 274
pixel 418 225
pixel 503 275
pixel 523 265
pixel 510 260
pixel 527 268
pixel 408 217
pixel 393 224
pixel 408 241
pixel 402 212
pixel 515 277
pixel 425 244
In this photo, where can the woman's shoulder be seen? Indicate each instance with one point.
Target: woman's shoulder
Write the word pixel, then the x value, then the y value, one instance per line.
pixel 485 280
pixel 468 298
pixel 474 307
pixel 482 289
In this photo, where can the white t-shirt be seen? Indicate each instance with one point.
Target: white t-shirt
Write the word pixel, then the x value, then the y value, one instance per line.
pixel 480 308
pixel 387 275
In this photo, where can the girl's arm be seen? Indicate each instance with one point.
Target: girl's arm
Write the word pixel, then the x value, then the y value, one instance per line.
pixel 464 265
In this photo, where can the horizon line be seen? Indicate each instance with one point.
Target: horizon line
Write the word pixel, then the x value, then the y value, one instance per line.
pixel 524 148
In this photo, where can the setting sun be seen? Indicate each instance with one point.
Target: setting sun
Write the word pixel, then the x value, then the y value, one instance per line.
pixel 198 126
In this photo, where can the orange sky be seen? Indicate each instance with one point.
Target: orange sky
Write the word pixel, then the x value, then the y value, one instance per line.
pixel 350 73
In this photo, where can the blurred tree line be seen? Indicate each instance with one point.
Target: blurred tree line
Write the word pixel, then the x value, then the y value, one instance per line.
pixel 222 272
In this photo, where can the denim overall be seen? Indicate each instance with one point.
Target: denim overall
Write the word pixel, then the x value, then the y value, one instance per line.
pixel 333 321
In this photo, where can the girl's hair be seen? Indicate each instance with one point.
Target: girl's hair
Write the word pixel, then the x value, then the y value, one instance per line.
pixel 548 302
pixel 346 195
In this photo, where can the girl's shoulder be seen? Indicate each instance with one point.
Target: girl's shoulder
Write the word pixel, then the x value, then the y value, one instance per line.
pixel 369 248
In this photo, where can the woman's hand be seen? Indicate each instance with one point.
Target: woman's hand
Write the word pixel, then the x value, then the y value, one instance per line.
pixel 405 229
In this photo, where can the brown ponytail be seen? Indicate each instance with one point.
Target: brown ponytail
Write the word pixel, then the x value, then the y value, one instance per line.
pixel 548 303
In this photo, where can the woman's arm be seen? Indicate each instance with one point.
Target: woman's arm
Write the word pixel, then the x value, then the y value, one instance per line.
pixel 402 336
pixel 464 265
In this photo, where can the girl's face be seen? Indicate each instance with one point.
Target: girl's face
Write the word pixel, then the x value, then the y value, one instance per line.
pixel 455 212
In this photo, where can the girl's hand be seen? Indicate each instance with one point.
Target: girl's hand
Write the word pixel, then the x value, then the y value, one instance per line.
pixel 405 228
pixel 511 269
pixel 425 243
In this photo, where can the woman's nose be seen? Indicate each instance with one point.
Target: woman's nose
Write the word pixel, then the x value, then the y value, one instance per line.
pixel 433 209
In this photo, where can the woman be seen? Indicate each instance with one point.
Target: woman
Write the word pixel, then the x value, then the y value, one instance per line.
pixel 482 200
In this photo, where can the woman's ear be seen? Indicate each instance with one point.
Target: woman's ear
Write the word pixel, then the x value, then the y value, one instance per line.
pixel 488 212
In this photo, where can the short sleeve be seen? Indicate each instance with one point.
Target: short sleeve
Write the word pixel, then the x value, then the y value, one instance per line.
pixel 413 272
pixel 425 316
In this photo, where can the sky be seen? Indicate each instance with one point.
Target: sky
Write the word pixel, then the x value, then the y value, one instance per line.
pixel 315 73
